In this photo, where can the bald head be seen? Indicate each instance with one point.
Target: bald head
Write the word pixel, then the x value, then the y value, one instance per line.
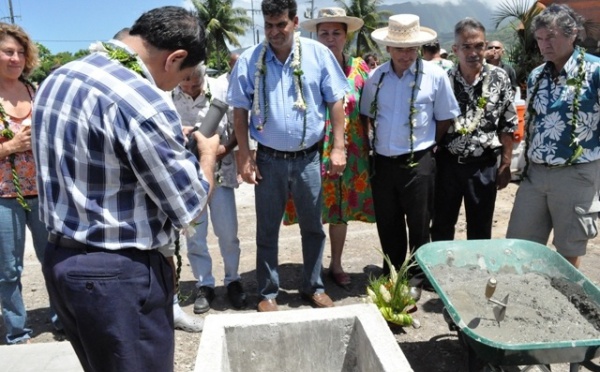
pixel 494 53
pixel 232 60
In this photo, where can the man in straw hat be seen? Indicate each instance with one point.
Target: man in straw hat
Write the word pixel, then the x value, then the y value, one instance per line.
pixel 407 100
pixel 287 84
pixel 468 154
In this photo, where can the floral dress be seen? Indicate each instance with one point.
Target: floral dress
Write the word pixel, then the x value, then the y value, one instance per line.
pixel 346 197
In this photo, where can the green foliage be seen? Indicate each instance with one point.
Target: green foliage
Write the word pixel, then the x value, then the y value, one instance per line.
pixel 223 24
pixel 524 53
pixel 365 10
pixel 49 62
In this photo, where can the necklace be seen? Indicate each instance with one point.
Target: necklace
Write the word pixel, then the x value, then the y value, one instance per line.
pixel 261 75
pixel 9 134
pixel 464 126
pixel 412 111
pixel 577 83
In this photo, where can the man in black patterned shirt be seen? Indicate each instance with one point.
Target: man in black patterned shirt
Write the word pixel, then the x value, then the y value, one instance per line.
pixel 467 156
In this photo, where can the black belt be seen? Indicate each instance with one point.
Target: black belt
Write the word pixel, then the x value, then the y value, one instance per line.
pixel 288 154
pixel 65 242
pixel 486 157
pixel 405 158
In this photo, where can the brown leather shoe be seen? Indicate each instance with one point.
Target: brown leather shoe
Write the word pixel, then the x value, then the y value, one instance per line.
pixel 318 299
pixel 267 305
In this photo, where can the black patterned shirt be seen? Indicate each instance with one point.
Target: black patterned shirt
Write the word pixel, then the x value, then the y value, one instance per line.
pixel 480 130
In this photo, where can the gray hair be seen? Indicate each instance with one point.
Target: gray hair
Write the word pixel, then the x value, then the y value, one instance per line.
pixel 559 16
pixel 468 24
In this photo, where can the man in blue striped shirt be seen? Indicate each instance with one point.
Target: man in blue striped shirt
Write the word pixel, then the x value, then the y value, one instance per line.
pixel 115 183
pixel 289 85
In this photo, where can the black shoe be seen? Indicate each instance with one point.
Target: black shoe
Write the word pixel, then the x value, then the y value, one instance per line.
pixel 204 297
pixel 236 295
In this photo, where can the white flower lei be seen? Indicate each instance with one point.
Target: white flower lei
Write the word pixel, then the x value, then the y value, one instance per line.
pixel 261 72
pixel 464 126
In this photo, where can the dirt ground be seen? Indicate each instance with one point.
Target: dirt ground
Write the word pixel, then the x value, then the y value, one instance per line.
pixel 432 347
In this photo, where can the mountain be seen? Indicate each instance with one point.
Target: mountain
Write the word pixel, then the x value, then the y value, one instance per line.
pixel 443 17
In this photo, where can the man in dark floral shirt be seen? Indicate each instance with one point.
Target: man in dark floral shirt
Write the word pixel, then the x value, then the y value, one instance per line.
pixel 467 156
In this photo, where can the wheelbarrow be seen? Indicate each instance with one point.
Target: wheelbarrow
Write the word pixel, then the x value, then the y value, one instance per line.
pixel 520 257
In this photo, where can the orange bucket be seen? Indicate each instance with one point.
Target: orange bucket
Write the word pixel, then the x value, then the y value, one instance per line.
pixel 520 132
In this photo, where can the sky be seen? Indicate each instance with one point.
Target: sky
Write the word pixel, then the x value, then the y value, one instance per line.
pixel 71 25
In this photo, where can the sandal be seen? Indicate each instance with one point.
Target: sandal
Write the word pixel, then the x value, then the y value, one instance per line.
pixel 342 279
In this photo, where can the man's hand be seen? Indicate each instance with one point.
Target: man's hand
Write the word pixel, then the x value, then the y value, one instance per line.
pixel 247 167
pixel 503 176
pixel 207 146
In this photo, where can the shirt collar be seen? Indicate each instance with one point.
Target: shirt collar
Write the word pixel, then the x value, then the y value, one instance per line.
pixel 145 72
pixel 387 68
pixel 570 67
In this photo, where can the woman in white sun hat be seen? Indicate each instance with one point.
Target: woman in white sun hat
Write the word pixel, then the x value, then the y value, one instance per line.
pixel 347 196
pixel 406 100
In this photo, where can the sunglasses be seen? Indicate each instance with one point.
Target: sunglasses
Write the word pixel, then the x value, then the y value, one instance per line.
pixel 494 47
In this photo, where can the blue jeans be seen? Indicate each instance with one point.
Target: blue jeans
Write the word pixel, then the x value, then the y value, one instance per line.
pixel 223 216
pixel 13 220
pixel 300 177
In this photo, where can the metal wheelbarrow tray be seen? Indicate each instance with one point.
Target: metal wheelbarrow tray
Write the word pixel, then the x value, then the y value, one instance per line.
pixel 522 257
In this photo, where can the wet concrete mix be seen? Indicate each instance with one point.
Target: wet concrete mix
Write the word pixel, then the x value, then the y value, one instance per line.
pixel 539 308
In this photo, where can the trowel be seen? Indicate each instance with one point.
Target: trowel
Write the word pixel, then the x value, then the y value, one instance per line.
pixel 500 308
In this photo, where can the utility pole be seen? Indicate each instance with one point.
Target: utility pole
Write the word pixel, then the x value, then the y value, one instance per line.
pixel 254 30
pixel 309 13
pixel 10 9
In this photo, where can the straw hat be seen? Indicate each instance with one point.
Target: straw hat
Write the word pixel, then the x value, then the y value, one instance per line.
pixel 334 15
pixel 403 31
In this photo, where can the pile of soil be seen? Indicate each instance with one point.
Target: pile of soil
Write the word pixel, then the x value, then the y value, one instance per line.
pixel 539 308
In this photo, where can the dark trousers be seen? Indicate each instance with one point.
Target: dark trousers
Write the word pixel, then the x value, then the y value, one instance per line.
pixel 403 197
pixel 116 307
pixel 474 182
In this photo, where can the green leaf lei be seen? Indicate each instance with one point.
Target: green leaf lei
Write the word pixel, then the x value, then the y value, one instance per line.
pixel 412 111
pixel 261 75
pixel 9 134
pixel 577 83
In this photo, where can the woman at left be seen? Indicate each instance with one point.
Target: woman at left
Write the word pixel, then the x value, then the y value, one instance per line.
pixel 18 192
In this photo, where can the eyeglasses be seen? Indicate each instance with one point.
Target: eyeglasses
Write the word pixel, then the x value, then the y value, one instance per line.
pixel 494 47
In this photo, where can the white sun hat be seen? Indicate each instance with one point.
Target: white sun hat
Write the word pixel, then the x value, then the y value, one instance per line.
pixel 333 15
pixel 403 31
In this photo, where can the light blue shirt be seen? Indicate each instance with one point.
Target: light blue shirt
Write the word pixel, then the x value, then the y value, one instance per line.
pixel 323 81
pixel 550 131
pixel 434 101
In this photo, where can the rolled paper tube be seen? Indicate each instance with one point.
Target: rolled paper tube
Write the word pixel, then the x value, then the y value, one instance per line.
pixel 209 125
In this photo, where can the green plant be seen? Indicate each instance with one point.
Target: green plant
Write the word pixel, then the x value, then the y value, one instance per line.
pixel 524 53
pixel 391 293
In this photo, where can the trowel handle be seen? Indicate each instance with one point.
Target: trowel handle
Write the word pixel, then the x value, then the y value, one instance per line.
pixel 490 287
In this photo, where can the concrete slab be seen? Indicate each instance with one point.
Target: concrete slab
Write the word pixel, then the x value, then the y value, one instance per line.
pixel 344 339
pixel 47 357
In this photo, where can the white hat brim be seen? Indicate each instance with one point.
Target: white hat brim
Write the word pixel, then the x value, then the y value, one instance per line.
pixel 426 35
pixel 353 23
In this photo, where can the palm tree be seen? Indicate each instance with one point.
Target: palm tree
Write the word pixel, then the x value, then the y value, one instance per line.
pixel 367 11
pixel 223 24
pixel 524 54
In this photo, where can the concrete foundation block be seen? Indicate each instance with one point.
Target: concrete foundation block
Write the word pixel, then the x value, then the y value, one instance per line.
pixel 340 339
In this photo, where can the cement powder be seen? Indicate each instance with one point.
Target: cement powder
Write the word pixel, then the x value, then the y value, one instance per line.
pixel 536 311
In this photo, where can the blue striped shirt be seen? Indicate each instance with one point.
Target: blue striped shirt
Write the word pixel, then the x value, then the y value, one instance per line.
pixel 111 166
pixel 323 81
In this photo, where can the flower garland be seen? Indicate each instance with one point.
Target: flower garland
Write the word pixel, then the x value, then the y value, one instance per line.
pixel 261 74
pixel 461 124
pixel 412 111
pixel 9 134
pixel 576 82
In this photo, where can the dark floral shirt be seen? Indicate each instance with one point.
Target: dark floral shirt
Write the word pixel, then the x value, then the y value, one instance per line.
pixel 498 115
